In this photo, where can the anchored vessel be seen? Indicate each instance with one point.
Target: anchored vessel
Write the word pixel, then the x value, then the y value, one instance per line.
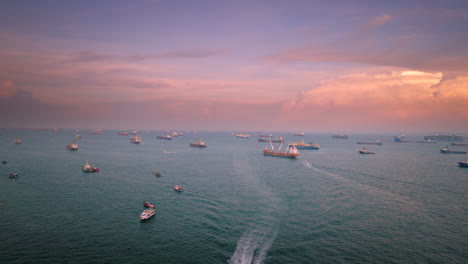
pixel 365 151
pixel 343 136
pixel 165 137
pixel 303 145
pixel 148 204
pixel 463 164
pixel 198 144
pixel 135 140
pixel 291 152
pixel 377 142
pixel 446 150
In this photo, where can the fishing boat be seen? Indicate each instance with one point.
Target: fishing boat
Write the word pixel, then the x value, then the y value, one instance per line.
pixel 460 144
pixel 13 175
pixel 463 164
pixel 198 144
pixel 72 146
pixel 178 188
pixel 18 141
pixel 342 136
pixel 147 214
pixel 165 137
pixel 135 140
pixel 365 151
pixel 89 168
pixel 148 204
pixel 291 152
pixel 303 145
pixel 157 173
pixel 377 142
pixel 446 150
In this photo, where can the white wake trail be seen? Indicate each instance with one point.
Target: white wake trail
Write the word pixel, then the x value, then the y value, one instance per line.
pixel 253 247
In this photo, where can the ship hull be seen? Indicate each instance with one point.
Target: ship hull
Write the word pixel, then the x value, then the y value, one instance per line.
pixel 369 143
pixel 280 154
pixel 463 164
pixel 452 152
pixel 197 146
pixel 460 144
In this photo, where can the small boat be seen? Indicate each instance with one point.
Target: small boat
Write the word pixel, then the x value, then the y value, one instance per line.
pixel 4 162
pixel 77 136
pixel 148 204
pixel 198 144
pixel 165 137
pixel 446 150
pixel 135 140
pixel 89 168
pixel 365 151
pixel 123 133
pixel 460 144
pixel 18 141
pixel 13 175
pixel 342 136
pixel 178 188
pixel 72 146
pixel 291 152
pixel 377 142
pixel 147 214
pixel 301 134
pixel 303 145
pixel 463 164
pixel 157 174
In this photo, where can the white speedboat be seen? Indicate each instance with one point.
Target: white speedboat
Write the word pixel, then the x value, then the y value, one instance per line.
pixel 147 214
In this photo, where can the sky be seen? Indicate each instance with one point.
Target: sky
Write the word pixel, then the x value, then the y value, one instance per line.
pixel 300 66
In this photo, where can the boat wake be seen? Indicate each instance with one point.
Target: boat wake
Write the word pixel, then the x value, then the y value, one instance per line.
pixel 253 246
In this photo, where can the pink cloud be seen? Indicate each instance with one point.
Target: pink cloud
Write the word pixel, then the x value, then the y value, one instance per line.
pixel 383 19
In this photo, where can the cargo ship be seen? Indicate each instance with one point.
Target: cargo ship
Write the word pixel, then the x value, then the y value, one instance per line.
pixel 459 144
pixel 165 137
pixel 273 140
pixel 303 145
pixel 291 152
pixel 377 142
pixel 342 136
pixel 198 144
pixel 446 150
pixel 444 138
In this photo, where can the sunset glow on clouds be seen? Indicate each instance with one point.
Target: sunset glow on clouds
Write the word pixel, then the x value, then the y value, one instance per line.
pixel 226 66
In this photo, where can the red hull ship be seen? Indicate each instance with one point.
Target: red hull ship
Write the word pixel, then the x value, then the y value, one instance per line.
pixel 198 144
pixel 291 152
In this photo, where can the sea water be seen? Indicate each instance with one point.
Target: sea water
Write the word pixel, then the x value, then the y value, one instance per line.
pixel 407 203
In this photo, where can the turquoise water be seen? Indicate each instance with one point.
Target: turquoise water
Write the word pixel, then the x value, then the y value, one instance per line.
pixel 406 204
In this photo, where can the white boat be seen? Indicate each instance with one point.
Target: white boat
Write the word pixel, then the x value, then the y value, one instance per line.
pixel 135 140
pixel 242 135
pixel 18 141
pixel 72 146
pixel 147 214
pixel 178 188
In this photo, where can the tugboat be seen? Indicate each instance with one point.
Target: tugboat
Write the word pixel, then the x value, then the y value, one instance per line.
pixel 147 214
pixel 198 144
pixel 291 152
pixel 148 204
pixel 89 168
pixel 178 188
pixel 463 164
pixel 135 140
pixel 365 151
pixel 72 146
pixel 446 150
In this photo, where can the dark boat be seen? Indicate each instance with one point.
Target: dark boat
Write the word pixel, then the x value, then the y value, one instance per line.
pixel 446 150
pixel 165 137
pixel 275 140
pixel 365 151
pixel 148 204
pixel 13 175
pixel 463 164
pixel 157 173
